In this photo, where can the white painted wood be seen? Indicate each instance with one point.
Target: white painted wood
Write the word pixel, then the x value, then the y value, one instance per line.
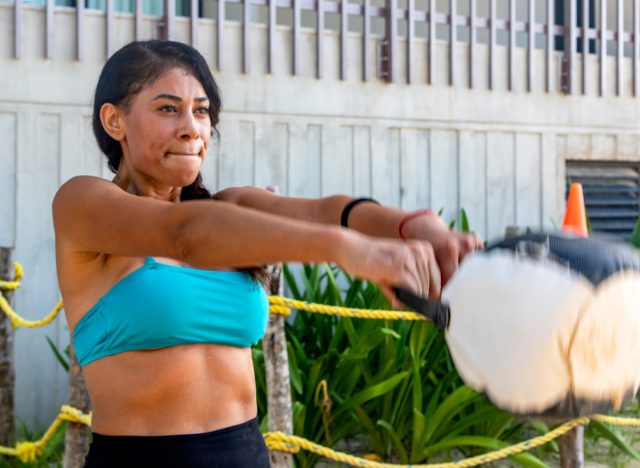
pixel 337 160
pixel 305 164
pixel 444 173
pixel 8 121
pixel 37 181
pixel 472 180
pixel 409 181
pixel 500 183
pixel 362 161
pixel 272 155
pixel 550 216
pixel 528 175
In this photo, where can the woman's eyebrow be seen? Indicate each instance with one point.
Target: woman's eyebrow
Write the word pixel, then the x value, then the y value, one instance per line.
pixel 178 98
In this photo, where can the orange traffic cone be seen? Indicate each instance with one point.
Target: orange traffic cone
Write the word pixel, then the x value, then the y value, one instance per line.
pixel 575 218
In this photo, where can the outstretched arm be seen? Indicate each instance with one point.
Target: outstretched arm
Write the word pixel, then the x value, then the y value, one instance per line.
pixel 368 218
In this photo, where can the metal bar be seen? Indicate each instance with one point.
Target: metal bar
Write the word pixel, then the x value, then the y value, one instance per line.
pixel 432 40
pixel 194 22
pixel 550 37
pixel 619 58
pixel 169 19
pixel 271 32
pixel 320 40
pixel 344 18
pixel 636 47
pixel 246 35
pixel 512 43
pixel 296 37
pixel 17 29
pixel 603 44
pixel 585 43
pixel 110 28
pixel 410 39
pixel 49 25
pixel 138 20
pixel 79 31
pixel 472 44
pixel 492 44
pixel 532 38
pixel 452 41
pixel 365 40
pixel 220 33
pixel 392 39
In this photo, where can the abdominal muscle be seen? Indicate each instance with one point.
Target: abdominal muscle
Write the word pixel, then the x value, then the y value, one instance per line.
pixel 184 389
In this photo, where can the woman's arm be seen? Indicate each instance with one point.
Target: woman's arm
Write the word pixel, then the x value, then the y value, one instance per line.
pixel 94 215
pixel 368 218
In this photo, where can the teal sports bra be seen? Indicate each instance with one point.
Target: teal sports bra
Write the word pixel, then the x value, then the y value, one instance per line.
pixel 160 305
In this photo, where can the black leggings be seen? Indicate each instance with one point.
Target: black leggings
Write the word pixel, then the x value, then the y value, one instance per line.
pixel 238 446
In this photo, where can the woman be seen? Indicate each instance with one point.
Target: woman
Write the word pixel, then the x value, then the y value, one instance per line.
pixel 161 294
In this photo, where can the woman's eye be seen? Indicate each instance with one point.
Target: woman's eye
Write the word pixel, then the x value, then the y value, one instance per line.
pixel 168 108
pixel 202 110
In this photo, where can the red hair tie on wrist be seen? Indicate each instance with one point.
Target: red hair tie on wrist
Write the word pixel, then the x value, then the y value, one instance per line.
pixel 409 217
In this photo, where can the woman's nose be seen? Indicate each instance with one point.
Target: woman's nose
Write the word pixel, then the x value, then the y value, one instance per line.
pixel 188 129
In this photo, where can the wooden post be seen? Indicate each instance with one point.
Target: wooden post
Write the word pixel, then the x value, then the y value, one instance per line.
pixel 572 448
pixel 7 373
pixel 76 442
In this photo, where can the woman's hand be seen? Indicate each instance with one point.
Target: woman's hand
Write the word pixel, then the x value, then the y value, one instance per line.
pixel 410 264
pixel 450 247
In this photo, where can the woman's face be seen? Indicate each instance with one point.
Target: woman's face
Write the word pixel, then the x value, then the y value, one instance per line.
pixel 167 130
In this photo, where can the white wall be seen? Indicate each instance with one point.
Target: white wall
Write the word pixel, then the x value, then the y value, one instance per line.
pixel 498 154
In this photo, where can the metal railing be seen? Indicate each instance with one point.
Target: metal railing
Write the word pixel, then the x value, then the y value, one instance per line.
pixel 577 34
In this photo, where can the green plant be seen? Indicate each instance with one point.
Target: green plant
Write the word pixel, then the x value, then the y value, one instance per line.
pixel 389 383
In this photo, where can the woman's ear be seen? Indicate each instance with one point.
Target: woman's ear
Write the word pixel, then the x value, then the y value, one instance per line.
pixel 111 119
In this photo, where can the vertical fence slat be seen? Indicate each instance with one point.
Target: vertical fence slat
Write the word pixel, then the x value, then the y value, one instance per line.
pixel 49 25
pixel 344 18
pixel 569 59
pixel 320 40
pixel 531 44
pixel 472 44
pixel 410 39
pixel 585 43
pixel 365 40
pixel 271 31
pixel 636 47
pixel 169 19
pixel 220 33
pixel 512 43
pixel 432 40
pixel 603 45
pixel 194 23
pixel 246 35
pixel 17 29
pixel 138 20
pixel 110 27
pixel 296 37
pixel 550 36
pixel 79 31
pixel 392 39
pixel 619 58
pixel 453 22
pixel 492 44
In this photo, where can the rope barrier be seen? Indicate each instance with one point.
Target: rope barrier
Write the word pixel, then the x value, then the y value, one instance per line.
pixel 29 451
pixel 282 305
pixel 17 320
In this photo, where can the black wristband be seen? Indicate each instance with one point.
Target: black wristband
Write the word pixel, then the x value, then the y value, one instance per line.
pixel 344 218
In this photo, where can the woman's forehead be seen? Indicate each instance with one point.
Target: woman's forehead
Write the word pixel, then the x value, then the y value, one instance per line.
pixel 175 82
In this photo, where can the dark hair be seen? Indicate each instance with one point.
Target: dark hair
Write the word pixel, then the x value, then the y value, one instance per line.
pixel 138 65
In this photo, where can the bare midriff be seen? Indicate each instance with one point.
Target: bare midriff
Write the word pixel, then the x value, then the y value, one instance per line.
pixel 184 389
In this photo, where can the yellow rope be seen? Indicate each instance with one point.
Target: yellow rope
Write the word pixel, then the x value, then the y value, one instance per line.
pixel 282 305
pixel 17 320
pixel 28 452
